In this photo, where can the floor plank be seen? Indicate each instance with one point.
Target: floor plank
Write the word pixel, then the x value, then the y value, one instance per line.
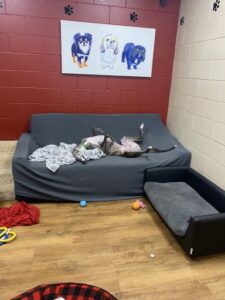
pixel 109 245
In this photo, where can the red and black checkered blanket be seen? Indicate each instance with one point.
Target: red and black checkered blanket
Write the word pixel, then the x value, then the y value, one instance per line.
pixel 66 291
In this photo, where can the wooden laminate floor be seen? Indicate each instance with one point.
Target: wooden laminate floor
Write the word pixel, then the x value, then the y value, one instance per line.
pixel 109 245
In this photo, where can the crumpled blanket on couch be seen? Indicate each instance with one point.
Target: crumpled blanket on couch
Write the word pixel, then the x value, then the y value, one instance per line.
pixel 56 156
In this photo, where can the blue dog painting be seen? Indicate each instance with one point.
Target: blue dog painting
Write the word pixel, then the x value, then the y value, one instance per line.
pixel 81 48
pixel 133 55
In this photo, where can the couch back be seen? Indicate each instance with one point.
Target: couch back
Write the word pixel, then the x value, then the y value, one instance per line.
pixel 71 128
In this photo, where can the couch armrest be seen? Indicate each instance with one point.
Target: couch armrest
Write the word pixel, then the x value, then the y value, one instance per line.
pixel 205 235
pixel 25 145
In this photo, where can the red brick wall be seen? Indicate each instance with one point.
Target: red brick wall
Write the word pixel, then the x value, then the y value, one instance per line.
pixel 30 68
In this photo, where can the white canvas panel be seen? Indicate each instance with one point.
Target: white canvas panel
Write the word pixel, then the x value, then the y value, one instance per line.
pixel 101 49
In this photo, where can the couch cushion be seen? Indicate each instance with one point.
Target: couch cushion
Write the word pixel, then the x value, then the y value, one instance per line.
pixel 177 202
pixel 71 128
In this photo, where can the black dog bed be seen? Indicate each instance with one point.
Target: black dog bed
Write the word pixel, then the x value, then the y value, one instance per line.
pixel 192 207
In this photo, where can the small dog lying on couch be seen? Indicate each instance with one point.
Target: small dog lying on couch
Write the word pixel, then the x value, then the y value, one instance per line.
pixel 105 142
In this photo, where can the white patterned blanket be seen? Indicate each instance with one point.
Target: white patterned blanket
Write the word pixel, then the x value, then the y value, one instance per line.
pixel 54 156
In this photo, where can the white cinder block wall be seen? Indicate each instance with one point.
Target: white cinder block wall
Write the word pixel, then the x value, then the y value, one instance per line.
pixel 196 113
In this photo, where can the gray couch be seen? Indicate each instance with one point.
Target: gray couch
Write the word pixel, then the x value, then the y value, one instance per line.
pixel 110 177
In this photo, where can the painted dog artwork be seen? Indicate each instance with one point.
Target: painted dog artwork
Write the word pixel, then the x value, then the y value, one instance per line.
pixel 81 48
pixel 109 50
pixel 133 55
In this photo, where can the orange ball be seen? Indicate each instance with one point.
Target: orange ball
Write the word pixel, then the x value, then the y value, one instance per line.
pixel 136 205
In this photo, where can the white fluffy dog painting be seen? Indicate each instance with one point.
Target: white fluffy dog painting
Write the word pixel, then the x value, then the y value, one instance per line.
pixel 109 50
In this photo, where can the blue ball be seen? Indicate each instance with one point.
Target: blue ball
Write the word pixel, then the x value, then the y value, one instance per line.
pixel 83 203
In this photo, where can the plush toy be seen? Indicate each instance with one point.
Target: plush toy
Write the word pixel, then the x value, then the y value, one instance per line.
pixel 142 205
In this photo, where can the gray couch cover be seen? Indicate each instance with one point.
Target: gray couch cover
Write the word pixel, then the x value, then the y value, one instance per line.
pixel 110 177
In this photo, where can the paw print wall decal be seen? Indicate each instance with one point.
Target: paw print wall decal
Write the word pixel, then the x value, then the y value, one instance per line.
pixel 133 17
pixel 2 6
pixel 182 21
pixel 68 10
pixel 163 3
pixel 216 5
